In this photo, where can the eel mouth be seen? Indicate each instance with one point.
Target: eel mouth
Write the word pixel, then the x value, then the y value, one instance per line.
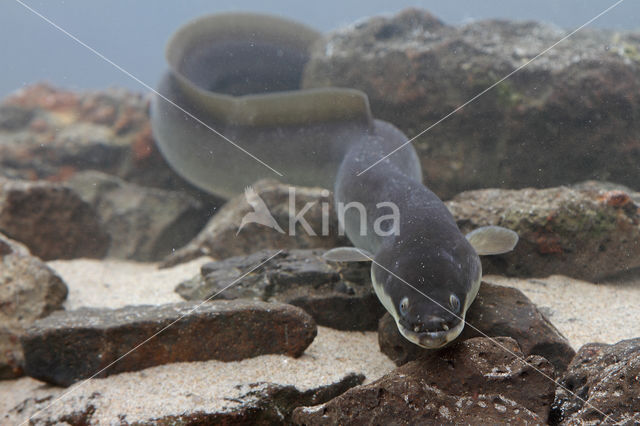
pixel 431 339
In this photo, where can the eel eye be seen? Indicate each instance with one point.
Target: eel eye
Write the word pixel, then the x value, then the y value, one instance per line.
pixel 404 306
pixel 454 302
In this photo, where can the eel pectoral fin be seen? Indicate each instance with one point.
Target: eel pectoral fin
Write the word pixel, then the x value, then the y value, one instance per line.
pixel 347 254
pixel 489 240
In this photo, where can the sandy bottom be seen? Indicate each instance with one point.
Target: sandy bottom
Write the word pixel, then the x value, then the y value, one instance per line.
pixel 199 386
pixel 117 283
pixel 584 312
pixel 182 387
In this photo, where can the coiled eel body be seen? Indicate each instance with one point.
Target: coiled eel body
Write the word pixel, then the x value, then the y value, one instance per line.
pixel 240 74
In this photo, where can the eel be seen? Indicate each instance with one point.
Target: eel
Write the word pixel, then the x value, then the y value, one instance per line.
pixel 238 75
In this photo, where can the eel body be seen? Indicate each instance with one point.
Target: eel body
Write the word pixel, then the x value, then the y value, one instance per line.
pixel 240 74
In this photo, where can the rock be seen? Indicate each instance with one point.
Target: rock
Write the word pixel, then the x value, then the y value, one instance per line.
pixel 497 311
pixel 336 295
pixel 474 381
pixel 259 390
pixel 564 118
pixel 69 346
pixel 251 403
pixel 50 134
pixel 265 403
pixel 51 220
pixel 14 117
pixel 221 238
pixel 29 290
pixel 144 223
pixel 11 357
pixel 606 378
pixel 588 233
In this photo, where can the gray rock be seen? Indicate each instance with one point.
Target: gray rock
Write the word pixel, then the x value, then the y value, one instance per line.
pixel 589 233
pixel 497 311
pixel 14 117
pixel 221 239
pixel 29 290
pixel 50 219
pixel 336 295
pixel 69 346
pixel 249 403
pixel 472 382
pixel 605 380
pixel 144 223
pixel 266 403
pixel 566 117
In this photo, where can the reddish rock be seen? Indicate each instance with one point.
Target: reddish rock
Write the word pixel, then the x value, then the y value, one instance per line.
pixel 472 382
pixel 66 347
pixel 497 311
pixel 605 379
pixel 587 232
pixel 46 132
pixel 50 219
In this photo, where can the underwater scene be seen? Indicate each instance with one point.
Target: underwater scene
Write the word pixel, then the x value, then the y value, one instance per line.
pixel 380 214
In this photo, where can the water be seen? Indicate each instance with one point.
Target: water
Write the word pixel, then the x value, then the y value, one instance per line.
pixel 163 302
pixel 133 34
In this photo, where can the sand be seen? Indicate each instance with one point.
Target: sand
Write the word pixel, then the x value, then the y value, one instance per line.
pixel 203 386
pixel 182 387
pixel 582 311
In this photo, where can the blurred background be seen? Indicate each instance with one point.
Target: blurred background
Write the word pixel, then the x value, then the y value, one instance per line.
pixel 133 34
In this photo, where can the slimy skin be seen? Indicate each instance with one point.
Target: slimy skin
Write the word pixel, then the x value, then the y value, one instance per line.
pixel 240 74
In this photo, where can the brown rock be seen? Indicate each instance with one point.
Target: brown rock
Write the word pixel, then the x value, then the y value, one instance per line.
pixel 221 239
pixel 605 380
pixel 566 117
pixel 48 133
pixel 247 403
pixel 69 346
pixel 11 357
pixel 51 220
pixel 29 290
pixel 143 223
pixel 587 233
pixel 474 381
pixel 336 295
pixel 497 311
pixel 265 403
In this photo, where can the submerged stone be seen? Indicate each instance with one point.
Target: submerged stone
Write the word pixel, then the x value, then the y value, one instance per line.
pixel 589 232
pixel 225 235
pixel 70 346
pixel 605 379
pixel 336 295
pixel 29 290
pixel 497 311
pixel 474 381
pixel 51 220
pixel 144 223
